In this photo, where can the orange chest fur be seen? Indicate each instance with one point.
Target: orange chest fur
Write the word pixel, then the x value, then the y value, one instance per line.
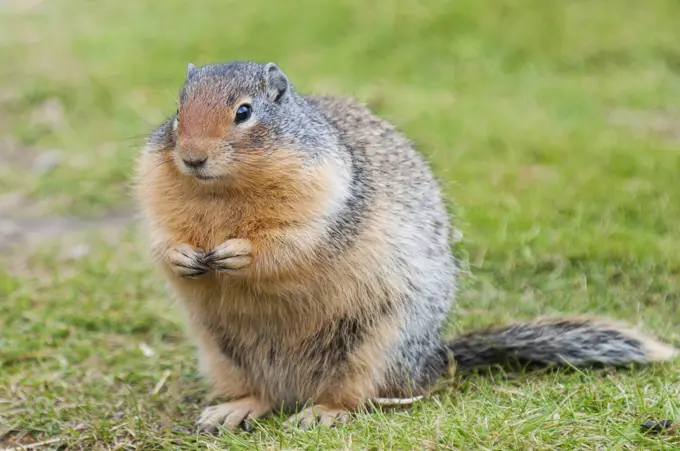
pixel 205 229
pixel 191 214
pixel 204 223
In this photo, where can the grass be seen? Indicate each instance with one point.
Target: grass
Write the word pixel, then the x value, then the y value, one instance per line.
pixel 554 127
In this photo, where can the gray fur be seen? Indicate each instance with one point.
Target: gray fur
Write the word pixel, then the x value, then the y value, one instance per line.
pixel 418 235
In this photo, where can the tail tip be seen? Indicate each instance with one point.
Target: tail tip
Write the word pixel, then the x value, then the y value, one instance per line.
pixel 657 351
pixel 653 349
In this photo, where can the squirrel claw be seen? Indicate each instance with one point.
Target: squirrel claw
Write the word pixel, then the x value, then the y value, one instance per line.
pixel 188 262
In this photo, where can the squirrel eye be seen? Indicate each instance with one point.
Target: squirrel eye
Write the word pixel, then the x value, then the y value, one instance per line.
pixel 243 113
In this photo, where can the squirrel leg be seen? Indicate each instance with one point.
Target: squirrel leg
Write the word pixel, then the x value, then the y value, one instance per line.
pixel 355 370
pixel 338 399
pixel 228 381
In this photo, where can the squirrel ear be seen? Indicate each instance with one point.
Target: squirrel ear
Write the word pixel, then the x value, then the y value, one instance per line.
pixel 277 82
pixel 190 70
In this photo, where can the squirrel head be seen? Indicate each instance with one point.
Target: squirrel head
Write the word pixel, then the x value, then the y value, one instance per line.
pixel 241 122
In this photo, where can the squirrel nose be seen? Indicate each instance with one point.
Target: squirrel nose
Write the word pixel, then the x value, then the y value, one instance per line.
pixel 195 163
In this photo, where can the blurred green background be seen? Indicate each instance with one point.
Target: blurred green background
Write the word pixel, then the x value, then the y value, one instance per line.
pixel 553 125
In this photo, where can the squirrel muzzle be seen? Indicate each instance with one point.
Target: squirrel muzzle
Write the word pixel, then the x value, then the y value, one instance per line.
pixel 201 158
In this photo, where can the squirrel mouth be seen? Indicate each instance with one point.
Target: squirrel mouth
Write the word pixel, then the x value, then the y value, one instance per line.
pixel 204 177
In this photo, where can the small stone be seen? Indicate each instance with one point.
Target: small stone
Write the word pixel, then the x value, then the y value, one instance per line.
pixel 11 202
pixel 656 426
pixel 49 114
pixel 146 350
pixel 9 231
pixel 78 251
pixel 182 430
pixel 47 161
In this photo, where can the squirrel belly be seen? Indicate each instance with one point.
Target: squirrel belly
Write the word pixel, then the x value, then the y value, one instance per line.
pixel 309 247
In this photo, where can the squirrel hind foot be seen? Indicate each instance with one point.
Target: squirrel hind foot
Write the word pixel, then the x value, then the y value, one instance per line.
pixel 231 415
pixel 318 415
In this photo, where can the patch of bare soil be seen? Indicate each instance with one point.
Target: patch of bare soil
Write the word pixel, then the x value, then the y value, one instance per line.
pixel 661 123
pixel 16 233
pixel 26 222
pixel 22 5
pixel 14 155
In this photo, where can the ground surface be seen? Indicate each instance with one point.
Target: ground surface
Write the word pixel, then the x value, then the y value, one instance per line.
pixel 555 126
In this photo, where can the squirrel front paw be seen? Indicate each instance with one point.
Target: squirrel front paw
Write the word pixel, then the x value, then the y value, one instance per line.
pixel 231 257
pixel 187 262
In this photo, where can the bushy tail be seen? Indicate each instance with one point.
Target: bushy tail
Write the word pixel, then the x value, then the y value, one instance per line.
pixel 556 342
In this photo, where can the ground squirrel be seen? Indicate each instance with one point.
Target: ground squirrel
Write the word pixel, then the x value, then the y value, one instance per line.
pixel 308 244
